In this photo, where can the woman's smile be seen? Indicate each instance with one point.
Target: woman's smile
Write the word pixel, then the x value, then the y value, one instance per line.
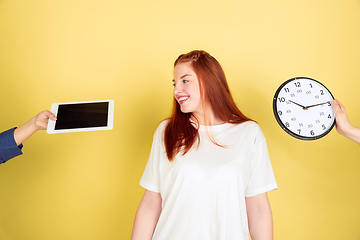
pixel 182 99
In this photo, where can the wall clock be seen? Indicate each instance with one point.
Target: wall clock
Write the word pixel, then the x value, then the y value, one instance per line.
pixel 302 107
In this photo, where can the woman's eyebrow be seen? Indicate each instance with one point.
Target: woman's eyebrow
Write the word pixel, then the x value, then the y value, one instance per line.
pixel 185 75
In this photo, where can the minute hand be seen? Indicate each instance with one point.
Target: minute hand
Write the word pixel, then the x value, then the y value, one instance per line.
pixel 315 105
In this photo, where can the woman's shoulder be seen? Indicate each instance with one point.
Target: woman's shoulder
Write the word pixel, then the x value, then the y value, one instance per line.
pixel 248 125
pixel 162 125
pixel 250 128
pixel 161 128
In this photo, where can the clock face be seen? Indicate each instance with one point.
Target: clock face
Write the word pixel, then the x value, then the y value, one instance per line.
pixel 302 107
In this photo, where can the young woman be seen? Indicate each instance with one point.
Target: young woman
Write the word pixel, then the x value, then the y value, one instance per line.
pixel 209 168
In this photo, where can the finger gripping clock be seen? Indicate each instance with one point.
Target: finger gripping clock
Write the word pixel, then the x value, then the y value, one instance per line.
pixel 302 107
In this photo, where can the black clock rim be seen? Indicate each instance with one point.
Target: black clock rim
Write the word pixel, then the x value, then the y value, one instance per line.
pixel 283 126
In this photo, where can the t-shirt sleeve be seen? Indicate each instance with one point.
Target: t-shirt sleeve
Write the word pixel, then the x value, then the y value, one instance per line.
pixel 8 146
pixel 262 177
pixel 150 178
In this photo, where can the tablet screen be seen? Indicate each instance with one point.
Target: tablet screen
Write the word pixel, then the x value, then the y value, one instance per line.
pixel 82 115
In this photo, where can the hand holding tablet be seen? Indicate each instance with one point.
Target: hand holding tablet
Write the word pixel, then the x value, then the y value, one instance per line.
pixel 82 116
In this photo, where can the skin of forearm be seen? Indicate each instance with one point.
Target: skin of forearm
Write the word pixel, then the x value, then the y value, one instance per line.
pixel 144 225
pixel 259 217
pixel 146 219
pixel 25 131
pixel 353 134
pixel 261 226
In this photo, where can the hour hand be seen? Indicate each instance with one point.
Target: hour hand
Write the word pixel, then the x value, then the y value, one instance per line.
pixel 304 108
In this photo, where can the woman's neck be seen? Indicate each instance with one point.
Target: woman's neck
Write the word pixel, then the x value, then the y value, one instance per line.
pixel 209 120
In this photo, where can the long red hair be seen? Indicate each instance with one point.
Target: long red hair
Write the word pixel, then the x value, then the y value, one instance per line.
pixel 180 133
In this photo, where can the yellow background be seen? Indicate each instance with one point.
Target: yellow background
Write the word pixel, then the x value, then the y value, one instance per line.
pixel 85 185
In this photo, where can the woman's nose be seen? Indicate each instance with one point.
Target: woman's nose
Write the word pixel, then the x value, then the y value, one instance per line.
pixel 177 89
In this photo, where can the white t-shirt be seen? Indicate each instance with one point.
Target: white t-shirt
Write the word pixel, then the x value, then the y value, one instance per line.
pixel 203 192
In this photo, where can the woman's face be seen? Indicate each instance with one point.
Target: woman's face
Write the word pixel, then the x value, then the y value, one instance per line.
pixel 186 89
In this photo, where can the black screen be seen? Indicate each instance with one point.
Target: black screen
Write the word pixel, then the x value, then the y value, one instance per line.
pixel 82 115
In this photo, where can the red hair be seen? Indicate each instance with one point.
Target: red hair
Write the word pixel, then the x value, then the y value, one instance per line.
pixel 180 134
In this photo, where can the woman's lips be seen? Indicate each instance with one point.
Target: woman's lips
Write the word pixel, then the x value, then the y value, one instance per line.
pixel 182 99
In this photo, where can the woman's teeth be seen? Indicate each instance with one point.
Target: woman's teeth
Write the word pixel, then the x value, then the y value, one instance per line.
pixel 183 99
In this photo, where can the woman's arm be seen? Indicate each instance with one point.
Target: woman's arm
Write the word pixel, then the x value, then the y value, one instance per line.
pixel 259 217
pixel 343 125
pixel 147 216
pixel 39 122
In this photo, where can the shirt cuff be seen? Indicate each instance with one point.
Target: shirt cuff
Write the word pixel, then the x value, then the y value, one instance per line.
pixel 8 146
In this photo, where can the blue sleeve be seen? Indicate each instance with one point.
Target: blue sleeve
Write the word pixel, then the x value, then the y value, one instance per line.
pixel 8 147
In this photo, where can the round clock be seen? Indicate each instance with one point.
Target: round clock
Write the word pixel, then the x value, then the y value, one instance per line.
pixel 302 107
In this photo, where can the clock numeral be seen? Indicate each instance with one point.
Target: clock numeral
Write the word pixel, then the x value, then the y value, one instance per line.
pixel 308 92
pixel 310 125
pixel 317 121
pixel 297 84
pixel 293 119
pixel 292 95
pixel 287 124
pixel 323 127
pixel 301 124
pixel 310 85
pixel 288 111
pixel 282 99
pixel 299 130
pixel 329 103
pixel 317 96
pixel 321 113
pixel 299 91
pixel 286 90
pixel 312 132
pixel 322 92
pixel 280 113
pixel 329 116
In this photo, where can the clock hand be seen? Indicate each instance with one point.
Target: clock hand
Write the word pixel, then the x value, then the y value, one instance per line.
pixel 315 105
pixel 304 108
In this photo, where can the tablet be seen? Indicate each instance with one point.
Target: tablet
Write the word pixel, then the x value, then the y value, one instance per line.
pixel 82 116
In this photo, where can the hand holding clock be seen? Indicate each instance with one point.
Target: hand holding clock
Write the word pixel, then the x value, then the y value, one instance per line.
pixel 343 125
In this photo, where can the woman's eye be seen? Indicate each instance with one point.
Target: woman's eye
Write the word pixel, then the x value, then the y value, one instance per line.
pixel 185 81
